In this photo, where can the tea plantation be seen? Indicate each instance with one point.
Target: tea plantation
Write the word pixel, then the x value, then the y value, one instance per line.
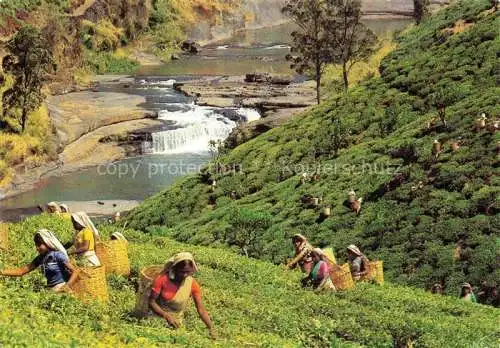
pixel 430 218
pixel 252 303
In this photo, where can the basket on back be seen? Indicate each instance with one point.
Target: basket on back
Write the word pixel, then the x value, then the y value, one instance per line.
pixel 113 255
pixel 148 276
pixel 375 272
pixel 341 277
pixel 330 256
pixel 4 236
pixel 91 284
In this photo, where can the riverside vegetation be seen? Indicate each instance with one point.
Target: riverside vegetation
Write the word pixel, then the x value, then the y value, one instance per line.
pixel 430 219
pixel 252 303
pixel 85 37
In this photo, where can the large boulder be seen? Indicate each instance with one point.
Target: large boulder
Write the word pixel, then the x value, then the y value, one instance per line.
pixel 191 47
pixel 258 77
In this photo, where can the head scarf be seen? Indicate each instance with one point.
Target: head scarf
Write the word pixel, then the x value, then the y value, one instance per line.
pixel 299 236
pixel 319 252
pixel 118 236
pixel 177 258
pixel 65 207
pixel 355 250
pixel 83 220
pixel 51 241
pixel 466 285
pixel 54 205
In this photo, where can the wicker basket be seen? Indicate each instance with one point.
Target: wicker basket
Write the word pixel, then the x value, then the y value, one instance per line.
pixel 330 256
pixel 113 255
pixel 91 284
pixel 148 276
pixel 341 277
pixel 4 236
pixel 374 272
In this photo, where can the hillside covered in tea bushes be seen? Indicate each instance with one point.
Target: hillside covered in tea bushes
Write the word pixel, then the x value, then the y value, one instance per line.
pixel 429 219
pixel 251 302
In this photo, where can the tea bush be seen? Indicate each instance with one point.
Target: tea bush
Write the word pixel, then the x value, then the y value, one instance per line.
pixel 416 207
pixel 251 302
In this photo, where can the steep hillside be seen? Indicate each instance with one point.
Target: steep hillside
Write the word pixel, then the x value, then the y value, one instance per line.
pixel 430 219
pixel 252 303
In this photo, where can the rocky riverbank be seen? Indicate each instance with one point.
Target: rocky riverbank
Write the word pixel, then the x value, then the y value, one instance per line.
pixel 91 127
pixel 276 97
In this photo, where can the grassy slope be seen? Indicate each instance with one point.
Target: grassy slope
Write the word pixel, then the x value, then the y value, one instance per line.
pixel 414 232
pixel 252 303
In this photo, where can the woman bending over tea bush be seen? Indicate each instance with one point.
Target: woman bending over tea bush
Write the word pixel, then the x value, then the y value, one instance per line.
pixel 174 287
pixel 52 258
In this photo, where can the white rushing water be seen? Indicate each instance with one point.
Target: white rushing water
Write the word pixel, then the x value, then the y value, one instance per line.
pixel 196 126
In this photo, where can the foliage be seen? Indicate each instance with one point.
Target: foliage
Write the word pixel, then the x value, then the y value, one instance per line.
pixel 101 36
pixel 311 40
pixel 420 10
pixel 251 303
pixel 29 61
pixel 109 62
pixel 245 229
pixel 351 40
pixel 361 71
pixel 415 208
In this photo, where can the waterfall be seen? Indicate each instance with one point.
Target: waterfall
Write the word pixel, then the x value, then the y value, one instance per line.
pixel 197 126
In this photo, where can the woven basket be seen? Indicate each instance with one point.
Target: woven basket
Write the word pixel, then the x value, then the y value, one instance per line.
pixel 113 255
pixel 148 276
pixel 330 256
pixel 341 277
pixel 4 236
pixel 374 272
pixel 91 284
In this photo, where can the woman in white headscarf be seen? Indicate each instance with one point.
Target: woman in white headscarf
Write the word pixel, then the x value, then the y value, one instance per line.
pixel 53 259
pixel 65 213
pixel 173 289
pixel 302 254
pixel 84 239
pixel 53 208
pixel 357 261
pixel 118 236
pixel 319 278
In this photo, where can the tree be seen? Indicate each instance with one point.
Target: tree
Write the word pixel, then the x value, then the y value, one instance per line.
pixel 445 96
pixel 420 10
pixel 352 40
pixel 30 62
pixel 310 41
pixel 245 230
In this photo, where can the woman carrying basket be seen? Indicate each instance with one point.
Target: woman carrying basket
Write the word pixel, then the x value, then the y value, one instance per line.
pixel 303 256
pixel 319 278
pixel 358 262
pixel 53 260
pixel 173 289
pixel 84 239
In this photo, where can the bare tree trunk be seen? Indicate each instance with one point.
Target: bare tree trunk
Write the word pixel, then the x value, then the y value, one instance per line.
pixel 344 72
pixel 318 83
pixel 318 86
pixel 24 118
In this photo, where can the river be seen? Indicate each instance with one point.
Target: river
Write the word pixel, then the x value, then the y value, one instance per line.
pixel 182 148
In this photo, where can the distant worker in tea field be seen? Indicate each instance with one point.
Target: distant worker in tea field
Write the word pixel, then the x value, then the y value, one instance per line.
pixel 52 258
pixel 65 213
pixel 53 208
pixel 118 236
pixel 84 238
pixel 319 278
pixel 357 261
pixel 467 294
pixel 437 289
pixel 303 256
pixel 173 289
